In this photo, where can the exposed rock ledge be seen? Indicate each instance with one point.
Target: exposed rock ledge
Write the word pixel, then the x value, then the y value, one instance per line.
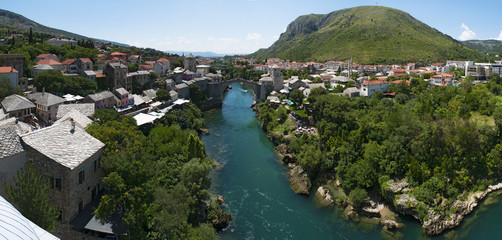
pixel 299 181
pixel 436 223
pixel 324 197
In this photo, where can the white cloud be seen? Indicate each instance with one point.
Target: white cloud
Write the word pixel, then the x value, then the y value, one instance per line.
pixel 253 36
pixel 467 34
pixel 275 37
pixel 500 36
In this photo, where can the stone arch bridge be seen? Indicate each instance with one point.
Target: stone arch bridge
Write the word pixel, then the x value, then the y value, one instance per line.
pixel 217 89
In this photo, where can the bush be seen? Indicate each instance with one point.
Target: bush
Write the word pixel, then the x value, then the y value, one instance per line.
pixel 358 197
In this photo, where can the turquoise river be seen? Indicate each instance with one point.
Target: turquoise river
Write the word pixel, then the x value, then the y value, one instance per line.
pixel 257 194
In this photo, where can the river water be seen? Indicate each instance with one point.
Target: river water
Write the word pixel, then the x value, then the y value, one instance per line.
pixel 257 193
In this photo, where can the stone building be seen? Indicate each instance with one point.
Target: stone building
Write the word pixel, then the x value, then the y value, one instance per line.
pixel 162 66
pixel 277 78
pixel 47 105
pixel 13 60
pixel 12 156
pixel 72 167
pixel 116 76
pixel 100 100
pixel 140 77
pixel 190 63
pixel 18 107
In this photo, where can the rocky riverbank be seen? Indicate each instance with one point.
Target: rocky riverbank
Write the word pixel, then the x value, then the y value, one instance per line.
pixel 399 196
pixel 435 222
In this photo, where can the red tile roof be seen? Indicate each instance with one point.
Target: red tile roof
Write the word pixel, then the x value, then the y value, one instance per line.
pixel 86 60
pixel 118 54
pixel 397 70
pixel 44 55
pixel 400 81
pixel 7 70
pixel 48 62
pixel 69 61
pixel 375 82
pixel 98 75
pixel 162 60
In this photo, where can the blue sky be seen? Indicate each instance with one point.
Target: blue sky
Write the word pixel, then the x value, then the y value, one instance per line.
pixel 236 26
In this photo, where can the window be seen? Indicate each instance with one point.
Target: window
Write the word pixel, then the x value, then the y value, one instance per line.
pixel 95 164
pixel 56 183
pixel 60 218
pixel 81 177
pixel 81 206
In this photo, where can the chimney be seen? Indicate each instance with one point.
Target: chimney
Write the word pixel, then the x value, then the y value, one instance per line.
pixel 72 125
pixel 43 90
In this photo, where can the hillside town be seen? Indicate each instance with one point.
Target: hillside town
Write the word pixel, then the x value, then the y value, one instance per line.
pixel 48 129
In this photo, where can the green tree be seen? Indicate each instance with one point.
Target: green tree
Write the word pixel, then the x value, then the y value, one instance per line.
pixel 6 88
pixel 296 96
pixel 30 39
pixel 358 197
pixel 197 96
pixel 30 194
pixel 495 77
pixel 163 95
pixel 153 75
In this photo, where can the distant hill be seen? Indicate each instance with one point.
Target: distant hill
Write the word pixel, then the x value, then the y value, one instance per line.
pixel 200 54
pixel 485 46
pixel 14 21
pixel 368 34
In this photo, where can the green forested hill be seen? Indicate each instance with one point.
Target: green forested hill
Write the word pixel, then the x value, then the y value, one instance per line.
pixel 368 34
pixel 15 21
pixel 485 46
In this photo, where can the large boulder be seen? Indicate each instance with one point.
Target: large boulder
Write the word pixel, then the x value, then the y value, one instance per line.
pixel 299 181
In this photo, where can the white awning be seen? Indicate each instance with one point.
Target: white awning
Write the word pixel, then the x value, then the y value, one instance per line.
pixel 142 119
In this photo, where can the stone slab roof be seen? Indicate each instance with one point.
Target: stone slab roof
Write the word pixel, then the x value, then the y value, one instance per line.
pixel 100 96
pixel 11 143
pixel 45 98
pixel 87 109
pixel 66 147
pixel 150 93
pixel 15 102
pixel 121 91
pixel 79 118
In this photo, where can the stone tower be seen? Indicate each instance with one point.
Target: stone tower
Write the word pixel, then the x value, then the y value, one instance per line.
pixel 275 73
pixel 190 64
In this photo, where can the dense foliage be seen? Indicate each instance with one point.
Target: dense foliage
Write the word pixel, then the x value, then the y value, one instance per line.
pixel 444 140
pixel 247 72
pixel 159 180
pixel 7 89
pixel 54 82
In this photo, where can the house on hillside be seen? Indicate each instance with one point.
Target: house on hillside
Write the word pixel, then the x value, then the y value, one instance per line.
pixel 56 65
pixel 369 87
pixel 47 56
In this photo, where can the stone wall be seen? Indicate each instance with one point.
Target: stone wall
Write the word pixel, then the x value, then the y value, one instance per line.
pixel 72 191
